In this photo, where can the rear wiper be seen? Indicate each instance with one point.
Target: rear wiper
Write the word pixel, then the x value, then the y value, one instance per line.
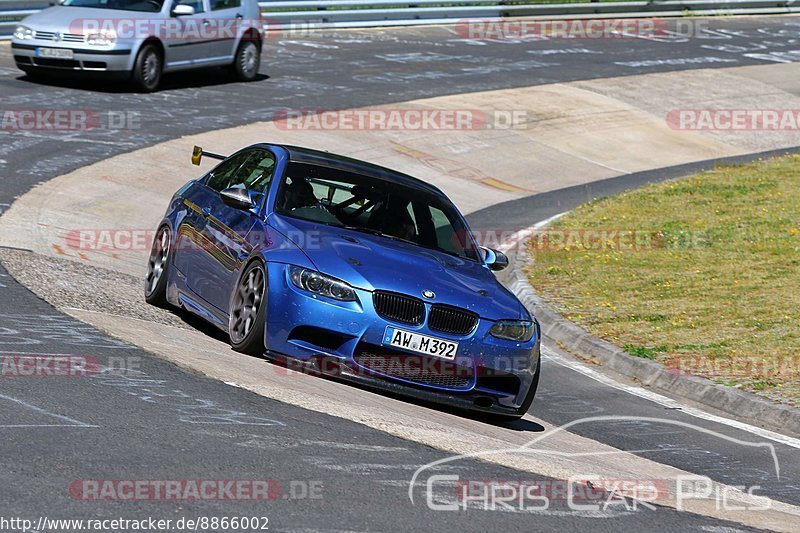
pixel 379 233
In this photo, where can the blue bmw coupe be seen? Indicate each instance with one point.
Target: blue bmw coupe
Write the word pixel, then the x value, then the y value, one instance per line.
pixel 350 269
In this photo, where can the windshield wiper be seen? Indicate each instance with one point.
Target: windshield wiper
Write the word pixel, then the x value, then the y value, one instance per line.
pixel 379 233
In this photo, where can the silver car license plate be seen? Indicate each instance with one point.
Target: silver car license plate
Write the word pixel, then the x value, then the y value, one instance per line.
pixel 55 53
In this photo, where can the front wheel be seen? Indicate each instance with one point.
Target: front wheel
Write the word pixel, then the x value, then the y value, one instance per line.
pixel 246 61
pixel 34 75
pixel 147 69
pixel 248 307
pixel 155 286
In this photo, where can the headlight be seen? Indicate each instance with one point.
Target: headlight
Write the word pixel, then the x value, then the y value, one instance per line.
pixel 104 38
pixel 23 33
pixel 319 283
pixel 513 330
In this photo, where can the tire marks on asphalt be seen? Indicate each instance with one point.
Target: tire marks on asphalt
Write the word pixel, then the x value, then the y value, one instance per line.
pixel 190 409
pixel 67 422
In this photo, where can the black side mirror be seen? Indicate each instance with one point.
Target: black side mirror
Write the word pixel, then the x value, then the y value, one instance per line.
pixel 237 198
pixel 495 259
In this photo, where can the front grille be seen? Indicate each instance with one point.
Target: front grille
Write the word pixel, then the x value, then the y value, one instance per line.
pixel 418 369
pixel 66 37
pixel 46 35
pixel 398 307
pixel 452 320
pixel 73 38
pixel 60 63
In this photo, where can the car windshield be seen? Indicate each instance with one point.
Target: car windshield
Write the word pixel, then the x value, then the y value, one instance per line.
pixel 148 6
pixel 372 205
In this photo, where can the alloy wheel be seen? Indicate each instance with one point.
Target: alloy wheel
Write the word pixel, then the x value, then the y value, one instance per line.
pixel 249 60
pixel 246 303
pixel 158 259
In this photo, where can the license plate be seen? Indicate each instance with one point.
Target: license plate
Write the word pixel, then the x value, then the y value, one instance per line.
pixel 415 342
pixel 58 53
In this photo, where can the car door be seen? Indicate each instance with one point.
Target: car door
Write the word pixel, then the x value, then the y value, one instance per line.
pixel 192 247
pixel 227 228
pixel 227 16
pixel 188 227
pixel 188 38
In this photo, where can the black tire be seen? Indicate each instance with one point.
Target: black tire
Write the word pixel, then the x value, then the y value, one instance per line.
pixel 147 68
pixel 248 308
pixel 247 60
pixel 155 281
pixel 34 75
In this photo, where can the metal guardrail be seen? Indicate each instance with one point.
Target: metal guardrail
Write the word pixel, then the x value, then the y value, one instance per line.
pixel 355 13
pixel 11 11
pixel 310 14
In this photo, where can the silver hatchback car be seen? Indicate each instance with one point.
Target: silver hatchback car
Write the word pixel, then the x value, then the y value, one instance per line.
pixel 141 39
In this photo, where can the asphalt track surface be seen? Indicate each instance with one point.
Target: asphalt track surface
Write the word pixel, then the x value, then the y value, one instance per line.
pixel 136 425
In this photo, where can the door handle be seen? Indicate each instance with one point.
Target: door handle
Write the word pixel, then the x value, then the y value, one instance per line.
pixel 206 22
pixel 206 211
pixel 239 16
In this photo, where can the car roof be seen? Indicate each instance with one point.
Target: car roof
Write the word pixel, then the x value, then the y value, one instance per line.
pixel 300 154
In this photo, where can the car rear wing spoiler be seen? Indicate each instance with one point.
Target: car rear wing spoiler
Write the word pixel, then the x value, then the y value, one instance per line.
pixel 198 153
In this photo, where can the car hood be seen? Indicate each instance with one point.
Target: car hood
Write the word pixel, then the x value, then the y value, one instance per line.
pixel 70 19
pixel 372 262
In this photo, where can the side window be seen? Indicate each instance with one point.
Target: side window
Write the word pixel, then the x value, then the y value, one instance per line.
pixel 443 227
pixel 256 172
pixel 216 5
pixel 393 217
pixel 196 4
pixel 412 216
pixel 340 192
pixel 322 190
pixel 221 177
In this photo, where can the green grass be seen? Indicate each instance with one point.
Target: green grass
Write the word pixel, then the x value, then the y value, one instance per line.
pixel 714 286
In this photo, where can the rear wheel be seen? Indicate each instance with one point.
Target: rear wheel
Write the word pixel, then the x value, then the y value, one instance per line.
pixel 147 68
pixel 155 285
pixel 247 60
pixel 246 326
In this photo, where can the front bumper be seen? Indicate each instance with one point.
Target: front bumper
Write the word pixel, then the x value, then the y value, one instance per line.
pixel 345 339
pixel 27 57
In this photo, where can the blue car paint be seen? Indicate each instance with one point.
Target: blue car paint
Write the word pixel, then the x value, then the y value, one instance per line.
pixel 203 282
